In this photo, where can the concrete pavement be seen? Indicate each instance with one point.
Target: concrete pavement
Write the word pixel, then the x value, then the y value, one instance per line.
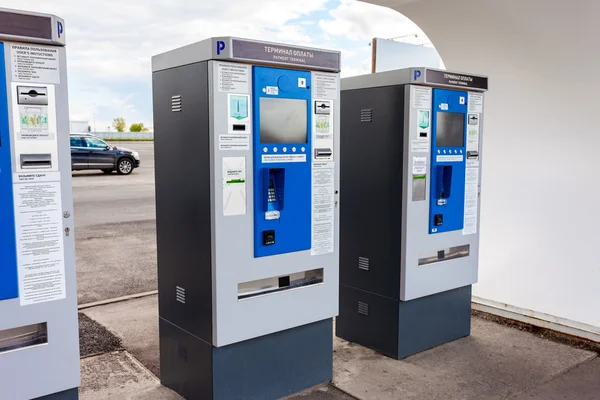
pixel 495 362
pixel 115 230
pixel 119 376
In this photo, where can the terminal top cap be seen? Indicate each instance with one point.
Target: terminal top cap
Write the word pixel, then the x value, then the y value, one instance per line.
pixel 31 27
pixel 249 51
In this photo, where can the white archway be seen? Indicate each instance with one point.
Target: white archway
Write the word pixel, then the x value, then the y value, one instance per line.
pixel 540 218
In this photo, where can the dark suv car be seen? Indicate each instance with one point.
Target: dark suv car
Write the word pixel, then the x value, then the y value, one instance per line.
pixel 90 152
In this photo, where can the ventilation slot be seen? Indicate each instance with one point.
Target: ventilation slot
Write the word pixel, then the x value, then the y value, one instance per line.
pixel 176 103
pixel 366 115
pixel 182 352
pixel 180 292
pixel 363 308
pixel 363 263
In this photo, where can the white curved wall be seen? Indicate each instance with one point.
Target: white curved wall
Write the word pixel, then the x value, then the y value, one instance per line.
pixel 540 223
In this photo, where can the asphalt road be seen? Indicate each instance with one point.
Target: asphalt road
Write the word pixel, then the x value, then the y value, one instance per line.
pixel 115 228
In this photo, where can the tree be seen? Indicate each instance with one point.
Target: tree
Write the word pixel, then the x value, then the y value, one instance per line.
pixel 138 127
pixel 119 124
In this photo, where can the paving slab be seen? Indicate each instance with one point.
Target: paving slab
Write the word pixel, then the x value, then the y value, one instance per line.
pixel 495 362
pixel 580 383
pixel 119 376
pixel 135 322
pixel 322 392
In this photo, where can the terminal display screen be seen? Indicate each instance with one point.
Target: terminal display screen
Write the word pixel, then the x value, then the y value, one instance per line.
pixel 450 130
pixel 283 120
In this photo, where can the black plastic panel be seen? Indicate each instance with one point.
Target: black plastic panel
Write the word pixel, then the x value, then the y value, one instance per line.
pixel 369 320
pixel 183 203
pixel 372 126
pixel 185 362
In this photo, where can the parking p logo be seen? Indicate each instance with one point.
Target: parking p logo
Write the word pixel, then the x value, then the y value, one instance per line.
pixel 220 47
pixel 59 28
pixel 417 74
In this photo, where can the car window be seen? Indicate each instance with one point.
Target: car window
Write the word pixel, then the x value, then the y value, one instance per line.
pixel 77 142
pixel 95 143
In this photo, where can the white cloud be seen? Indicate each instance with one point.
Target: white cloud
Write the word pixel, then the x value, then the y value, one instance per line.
pixel 362 21
pixel 354 69
pixel 110 42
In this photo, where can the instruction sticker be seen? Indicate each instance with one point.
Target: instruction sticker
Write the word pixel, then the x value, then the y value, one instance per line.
pixel 471 201
pixel 33 63
pixel 323 208
pixel 325 85
pixel 39 232
pixel 421 97
pixel 234 186
pixel 283 158
pixel 419 166
pixel 419 146
pixel 458 158
pixel 476 102
pixel 234 142
pixel 233 78
pixel 272 90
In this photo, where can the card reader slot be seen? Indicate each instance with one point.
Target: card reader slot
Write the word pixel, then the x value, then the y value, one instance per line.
pixel 278 284
pixel 23 337
pixel 239 127
pixel 36 161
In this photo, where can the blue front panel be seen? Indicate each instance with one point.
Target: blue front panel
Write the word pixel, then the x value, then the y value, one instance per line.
pixel 448 160
pixel 9 287
pixel 282 161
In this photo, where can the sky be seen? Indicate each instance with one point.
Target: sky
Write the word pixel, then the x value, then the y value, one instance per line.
pixel 110 42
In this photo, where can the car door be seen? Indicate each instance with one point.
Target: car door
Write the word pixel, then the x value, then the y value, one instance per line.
pixel 100 154
pixel 79 153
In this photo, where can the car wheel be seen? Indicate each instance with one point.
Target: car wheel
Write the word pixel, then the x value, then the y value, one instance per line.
pixel 107 171
pixel 125 166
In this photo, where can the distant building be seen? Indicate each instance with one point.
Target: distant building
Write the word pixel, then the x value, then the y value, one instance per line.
pixel 390 55
pixel 80 126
